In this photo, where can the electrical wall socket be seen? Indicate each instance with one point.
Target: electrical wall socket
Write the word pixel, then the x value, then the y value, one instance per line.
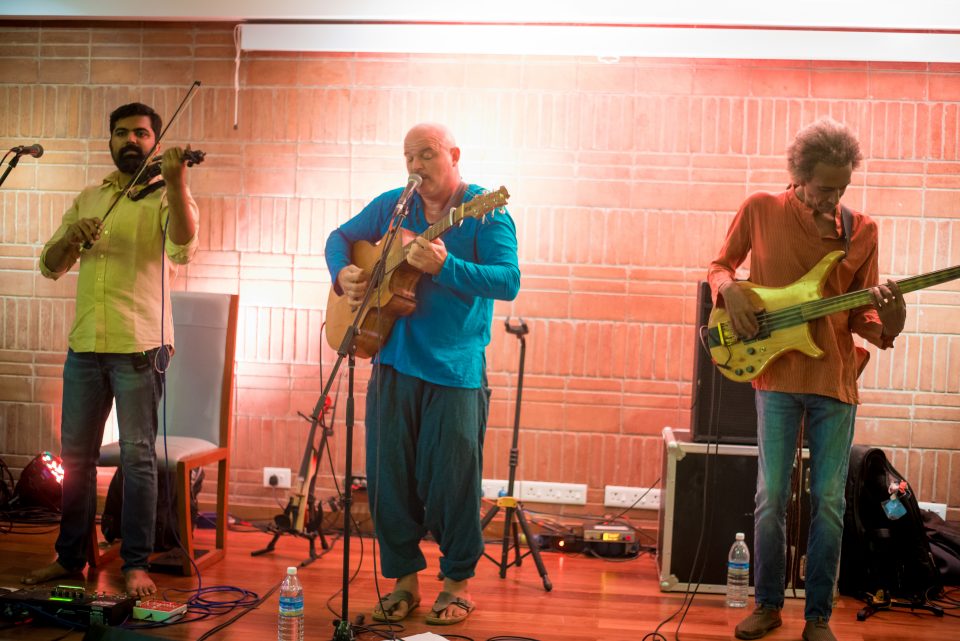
pixel 545 492
pixel 539 491
pixel 282 474
pixel 493 487
pixel 639 498
pixel 940 509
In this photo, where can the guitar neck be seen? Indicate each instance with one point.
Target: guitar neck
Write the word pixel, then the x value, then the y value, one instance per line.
pixel 861 298
pixel 435 231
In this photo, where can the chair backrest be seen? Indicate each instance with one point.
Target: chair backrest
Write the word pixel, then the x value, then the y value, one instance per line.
pixel 199 386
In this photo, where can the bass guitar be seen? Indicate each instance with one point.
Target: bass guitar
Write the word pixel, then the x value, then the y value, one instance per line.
pixel 394 295
pixel 785 317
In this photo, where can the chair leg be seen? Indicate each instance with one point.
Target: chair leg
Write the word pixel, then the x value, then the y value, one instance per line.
pixel 185 522
pixel 97 557
pixel 222 496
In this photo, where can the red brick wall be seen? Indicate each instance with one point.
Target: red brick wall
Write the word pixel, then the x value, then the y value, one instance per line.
pixel 623 178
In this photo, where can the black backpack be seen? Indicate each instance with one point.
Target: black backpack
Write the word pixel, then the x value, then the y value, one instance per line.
pixel 880 553
pixel 168 523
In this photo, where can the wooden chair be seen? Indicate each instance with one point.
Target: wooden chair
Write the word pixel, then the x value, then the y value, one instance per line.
pixel 199 422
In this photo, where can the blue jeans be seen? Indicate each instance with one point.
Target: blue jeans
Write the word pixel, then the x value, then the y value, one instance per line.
pixel 829 427
pixel 91 381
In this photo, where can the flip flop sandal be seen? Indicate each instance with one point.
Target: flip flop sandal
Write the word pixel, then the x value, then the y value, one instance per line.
pixel 445 600
pixel 389 603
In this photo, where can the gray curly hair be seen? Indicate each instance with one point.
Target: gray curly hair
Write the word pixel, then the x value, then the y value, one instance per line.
pixel 826 141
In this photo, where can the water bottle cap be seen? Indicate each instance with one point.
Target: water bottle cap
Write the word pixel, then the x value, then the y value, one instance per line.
pixel 740 536
pixel 292 569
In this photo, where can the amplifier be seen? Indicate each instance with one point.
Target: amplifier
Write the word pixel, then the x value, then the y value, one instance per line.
pixel 610 540
pixel 68 602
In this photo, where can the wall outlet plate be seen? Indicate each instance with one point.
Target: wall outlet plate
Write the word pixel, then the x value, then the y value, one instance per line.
pixel 639 498
pixel 547 492
pixel 940 509
pixel 494 488
pixel 539 491
pixel 282 474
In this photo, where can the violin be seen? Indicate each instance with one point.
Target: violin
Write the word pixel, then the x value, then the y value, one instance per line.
pixel 191 157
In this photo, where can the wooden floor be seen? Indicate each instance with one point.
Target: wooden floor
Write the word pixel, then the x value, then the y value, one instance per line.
pixel 591 600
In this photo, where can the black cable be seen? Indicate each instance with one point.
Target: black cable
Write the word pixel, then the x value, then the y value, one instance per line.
pixel 705 515
pixel 200 603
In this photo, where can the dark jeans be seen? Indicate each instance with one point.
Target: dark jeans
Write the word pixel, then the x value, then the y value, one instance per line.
pixel 91 381
pixel 424 466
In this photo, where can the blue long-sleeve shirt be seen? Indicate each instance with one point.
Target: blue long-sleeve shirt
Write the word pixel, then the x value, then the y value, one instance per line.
pixel 443 340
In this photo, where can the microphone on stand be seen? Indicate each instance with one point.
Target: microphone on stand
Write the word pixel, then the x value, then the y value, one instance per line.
pixel 413 181
pixel 29 150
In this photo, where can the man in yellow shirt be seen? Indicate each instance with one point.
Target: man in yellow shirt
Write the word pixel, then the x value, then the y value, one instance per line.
pixel 120 340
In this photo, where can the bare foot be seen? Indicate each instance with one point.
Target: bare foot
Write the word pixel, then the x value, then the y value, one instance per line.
pixel 46 573
pixel 139 583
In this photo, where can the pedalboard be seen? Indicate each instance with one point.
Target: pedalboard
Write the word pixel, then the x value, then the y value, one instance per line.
pixel 155 610
pixel 71 603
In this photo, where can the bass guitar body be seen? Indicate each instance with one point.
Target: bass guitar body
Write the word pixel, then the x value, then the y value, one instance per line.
pixel 744 359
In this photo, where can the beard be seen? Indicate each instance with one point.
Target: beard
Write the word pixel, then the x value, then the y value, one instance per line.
pixel 128 162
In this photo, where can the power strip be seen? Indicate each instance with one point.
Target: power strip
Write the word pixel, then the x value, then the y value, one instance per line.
pixel 158 610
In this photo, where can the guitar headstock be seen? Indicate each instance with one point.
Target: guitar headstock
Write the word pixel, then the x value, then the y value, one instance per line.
pixel 486 203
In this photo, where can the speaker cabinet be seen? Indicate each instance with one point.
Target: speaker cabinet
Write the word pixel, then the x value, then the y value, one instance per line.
pixel 723 410
pixel 708 497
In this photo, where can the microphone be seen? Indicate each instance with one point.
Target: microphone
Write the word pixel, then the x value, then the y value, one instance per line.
pixel 413 181
pixel 29 150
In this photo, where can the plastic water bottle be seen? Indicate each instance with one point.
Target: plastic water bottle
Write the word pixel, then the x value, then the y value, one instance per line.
pixel 290 618
pixel 738 573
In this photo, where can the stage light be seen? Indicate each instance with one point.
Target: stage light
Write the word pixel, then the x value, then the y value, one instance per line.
pixel 41 483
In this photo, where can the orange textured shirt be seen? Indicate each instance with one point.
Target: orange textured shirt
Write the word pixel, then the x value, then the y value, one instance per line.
pixel 779 234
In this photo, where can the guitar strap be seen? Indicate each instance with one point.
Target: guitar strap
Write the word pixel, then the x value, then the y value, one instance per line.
pixel 846 219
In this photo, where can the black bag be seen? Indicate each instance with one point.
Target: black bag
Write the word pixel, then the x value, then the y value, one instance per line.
pixel 879 552
pixel 944 538
pixel 168 523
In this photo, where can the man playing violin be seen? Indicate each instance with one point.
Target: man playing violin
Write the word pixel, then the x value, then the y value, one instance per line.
pixel 122 328
pixel 427 399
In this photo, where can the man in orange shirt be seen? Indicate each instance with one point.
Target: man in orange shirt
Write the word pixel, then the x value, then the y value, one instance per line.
pixel 787 234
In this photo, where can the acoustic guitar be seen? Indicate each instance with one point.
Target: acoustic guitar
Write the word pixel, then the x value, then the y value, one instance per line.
pixel 785 317
pixel 394 295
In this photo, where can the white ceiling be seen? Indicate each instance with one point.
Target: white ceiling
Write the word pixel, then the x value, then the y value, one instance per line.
pixel 853 14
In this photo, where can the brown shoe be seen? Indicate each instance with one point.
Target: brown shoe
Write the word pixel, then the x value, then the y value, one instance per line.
pixel 759 623
pixel 818 630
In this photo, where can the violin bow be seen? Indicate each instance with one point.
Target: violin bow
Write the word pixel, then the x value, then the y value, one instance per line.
pixel 191 92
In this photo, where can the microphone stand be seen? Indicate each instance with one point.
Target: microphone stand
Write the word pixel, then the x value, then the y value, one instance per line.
pixel 13 163
pixel 343 631
pixel 514 507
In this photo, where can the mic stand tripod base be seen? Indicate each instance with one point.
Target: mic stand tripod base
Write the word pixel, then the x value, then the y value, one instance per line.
pixel 343 631
pixel 515 509
pixel 883 601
